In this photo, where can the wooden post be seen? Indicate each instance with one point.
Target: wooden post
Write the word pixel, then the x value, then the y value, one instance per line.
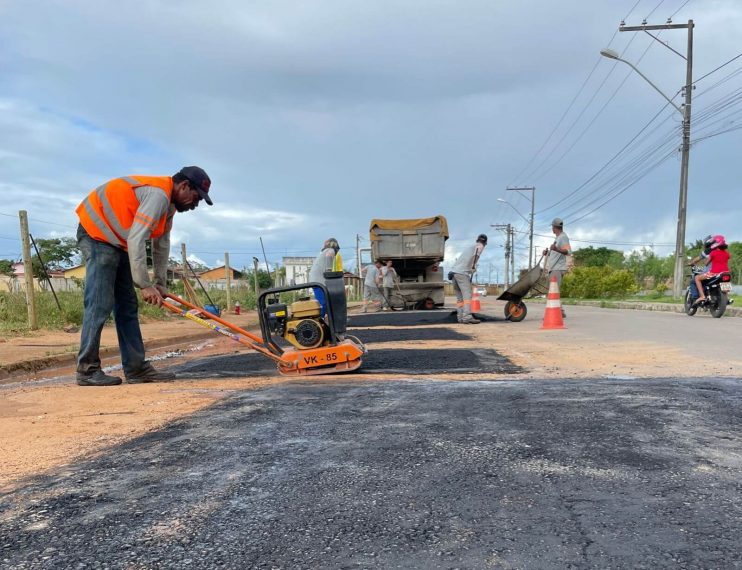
pixel 255 261
pixel 28 271
pixel 228 272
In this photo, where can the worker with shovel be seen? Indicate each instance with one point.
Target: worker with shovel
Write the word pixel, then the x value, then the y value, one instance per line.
pixel 388 277
pixel 461 274
pixel 116 219
pixel 370 284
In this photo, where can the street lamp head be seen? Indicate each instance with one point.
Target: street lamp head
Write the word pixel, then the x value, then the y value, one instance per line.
pixel 609 53
pixel 501 200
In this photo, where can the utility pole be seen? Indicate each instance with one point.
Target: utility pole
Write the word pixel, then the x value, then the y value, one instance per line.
pixel 512 254
pixel 508 249
pixel 532 190
pixel 184 260
pixel 358 255
pixel 678 274
pixel 28 271
pixel 228 273
pixel 255 262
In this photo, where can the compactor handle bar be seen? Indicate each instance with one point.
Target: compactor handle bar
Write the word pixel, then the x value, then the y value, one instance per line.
pixel 196 314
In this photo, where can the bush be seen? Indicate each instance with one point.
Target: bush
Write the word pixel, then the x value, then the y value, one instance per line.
pixel 598 282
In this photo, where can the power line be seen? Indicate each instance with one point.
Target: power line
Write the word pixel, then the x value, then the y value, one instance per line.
pixel 571 104
pixel 678 10
pixel 602 168
pixel 718 68
pixel 610 242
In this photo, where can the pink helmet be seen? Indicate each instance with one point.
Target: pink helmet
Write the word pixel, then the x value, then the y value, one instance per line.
pixel 718 242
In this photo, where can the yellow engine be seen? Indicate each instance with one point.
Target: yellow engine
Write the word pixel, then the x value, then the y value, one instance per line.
pixel 304 327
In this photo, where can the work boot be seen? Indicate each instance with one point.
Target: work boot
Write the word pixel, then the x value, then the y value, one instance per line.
pixel 147 374
pixel 469 320
pixel 97 378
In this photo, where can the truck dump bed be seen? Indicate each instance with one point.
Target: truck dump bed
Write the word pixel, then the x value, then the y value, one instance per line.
pixel 416 248
pixel 423 238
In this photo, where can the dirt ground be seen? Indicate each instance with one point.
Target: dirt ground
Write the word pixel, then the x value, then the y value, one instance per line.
pixel 49 423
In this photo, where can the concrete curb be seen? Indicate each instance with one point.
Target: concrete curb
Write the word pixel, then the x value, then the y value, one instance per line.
pixel 59 360
pixel 639 306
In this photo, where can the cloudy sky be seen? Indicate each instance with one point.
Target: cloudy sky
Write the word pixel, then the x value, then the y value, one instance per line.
pixel 313 117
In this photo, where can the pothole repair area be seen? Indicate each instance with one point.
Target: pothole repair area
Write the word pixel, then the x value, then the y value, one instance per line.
pixel 411 319
pixel 371 336
pixel 379 361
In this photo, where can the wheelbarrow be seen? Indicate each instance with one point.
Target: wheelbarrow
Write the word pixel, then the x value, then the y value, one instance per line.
pixel 531 284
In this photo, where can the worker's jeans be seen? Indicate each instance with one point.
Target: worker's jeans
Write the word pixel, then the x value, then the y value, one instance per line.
pixel 108 287
pixel 462 288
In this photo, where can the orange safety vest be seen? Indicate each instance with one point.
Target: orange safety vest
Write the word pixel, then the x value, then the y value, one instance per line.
pixel 110 210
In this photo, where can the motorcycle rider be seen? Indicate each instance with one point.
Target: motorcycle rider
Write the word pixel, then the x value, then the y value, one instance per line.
pixel 714 253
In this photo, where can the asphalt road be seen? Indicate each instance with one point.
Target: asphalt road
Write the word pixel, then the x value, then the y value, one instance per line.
pixel 407 474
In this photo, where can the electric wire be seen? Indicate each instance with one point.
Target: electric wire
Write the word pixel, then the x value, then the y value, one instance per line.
pixel 592 121
pixel 683 5
pixel 572 102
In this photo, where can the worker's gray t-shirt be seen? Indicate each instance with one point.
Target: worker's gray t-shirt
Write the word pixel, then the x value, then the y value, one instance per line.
pixel 323 262
pixel 388 279
pixel 153 204
pixel 558 261
pixel 465 262
pixel 371 272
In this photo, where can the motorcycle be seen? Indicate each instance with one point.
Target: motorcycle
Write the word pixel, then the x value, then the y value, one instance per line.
pixel 716 291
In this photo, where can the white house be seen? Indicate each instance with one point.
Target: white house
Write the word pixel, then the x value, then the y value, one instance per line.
pixel 297 269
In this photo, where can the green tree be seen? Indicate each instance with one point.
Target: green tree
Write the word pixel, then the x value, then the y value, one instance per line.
pixel 598 257
pixel 57 253
pixel 646 263
pixel 735 261
pixel 265 280
pixel 6 267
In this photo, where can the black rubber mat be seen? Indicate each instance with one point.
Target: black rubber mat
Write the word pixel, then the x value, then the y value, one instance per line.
pixel 388 361
pixel 370 335
pixel 410 319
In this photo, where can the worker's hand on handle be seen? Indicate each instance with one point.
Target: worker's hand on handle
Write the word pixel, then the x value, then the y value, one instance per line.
pixel 152 296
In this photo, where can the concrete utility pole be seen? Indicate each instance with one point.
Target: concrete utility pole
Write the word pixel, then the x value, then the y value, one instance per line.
pixel 678 275
pixel 28 271
pixel 228 273
pixel 512 253
pixel 532 190
pixel 508 249
pixel 184 260
pixel 358 255
pixel 255 262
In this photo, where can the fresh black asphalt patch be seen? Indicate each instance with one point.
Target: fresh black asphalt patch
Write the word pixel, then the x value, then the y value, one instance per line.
pixel 387 361
pixel 411 319
pixel 417 474
pixel 397 334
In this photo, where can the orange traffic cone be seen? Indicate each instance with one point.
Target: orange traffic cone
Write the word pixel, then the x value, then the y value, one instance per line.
pixel 553 314
pixel 476 306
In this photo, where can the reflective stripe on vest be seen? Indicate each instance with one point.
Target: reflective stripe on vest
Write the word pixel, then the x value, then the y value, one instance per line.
pixel 109 211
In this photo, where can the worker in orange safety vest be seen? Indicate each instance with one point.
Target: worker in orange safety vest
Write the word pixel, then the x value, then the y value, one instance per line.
pixel 116 220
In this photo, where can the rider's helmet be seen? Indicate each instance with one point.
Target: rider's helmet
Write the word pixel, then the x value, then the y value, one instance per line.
pixel 719 241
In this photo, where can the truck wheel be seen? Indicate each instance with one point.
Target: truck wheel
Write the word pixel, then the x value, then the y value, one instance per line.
pixel 515 312
pixel 426 304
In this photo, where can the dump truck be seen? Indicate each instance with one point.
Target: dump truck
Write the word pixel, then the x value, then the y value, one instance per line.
pixel 416 248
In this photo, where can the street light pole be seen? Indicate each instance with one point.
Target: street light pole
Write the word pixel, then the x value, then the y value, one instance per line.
pixel 678 273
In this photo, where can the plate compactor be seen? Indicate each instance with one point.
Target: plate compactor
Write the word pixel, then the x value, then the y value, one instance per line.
pixel 318 343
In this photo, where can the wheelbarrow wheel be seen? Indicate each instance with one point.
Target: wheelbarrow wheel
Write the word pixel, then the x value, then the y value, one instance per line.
pixel 515 312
